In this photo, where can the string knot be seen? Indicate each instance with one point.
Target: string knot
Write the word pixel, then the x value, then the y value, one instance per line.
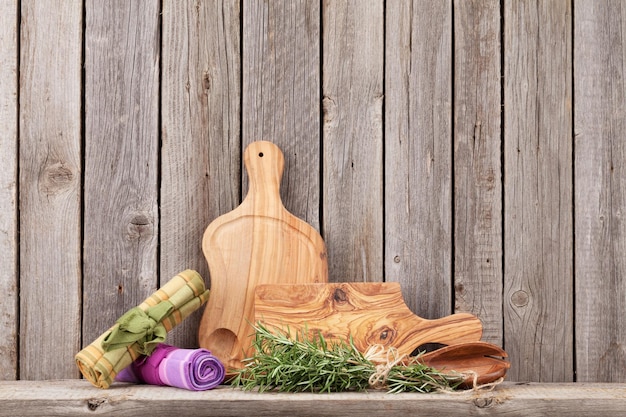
pixel 385 360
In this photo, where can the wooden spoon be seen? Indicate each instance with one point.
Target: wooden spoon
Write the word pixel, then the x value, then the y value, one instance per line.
pixel 479 362
pixel 259 242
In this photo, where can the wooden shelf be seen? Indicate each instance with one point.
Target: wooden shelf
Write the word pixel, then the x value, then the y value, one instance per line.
pixel 78 397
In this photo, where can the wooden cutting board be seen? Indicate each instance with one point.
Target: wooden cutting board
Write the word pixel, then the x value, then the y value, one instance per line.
pixel 372 313
pixel 259 242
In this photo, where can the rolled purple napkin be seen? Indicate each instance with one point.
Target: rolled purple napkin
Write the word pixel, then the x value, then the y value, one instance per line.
pixel 192 369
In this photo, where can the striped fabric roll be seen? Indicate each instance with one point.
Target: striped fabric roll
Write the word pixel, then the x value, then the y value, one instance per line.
pixel 104 358
pixel 192 369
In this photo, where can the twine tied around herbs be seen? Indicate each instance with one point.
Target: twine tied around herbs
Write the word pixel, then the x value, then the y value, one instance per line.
pixel 386 359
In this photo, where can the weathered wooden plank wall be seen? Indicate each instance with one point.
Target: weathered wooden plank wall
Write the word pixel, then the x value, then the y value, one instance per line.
pixel 281 94
pixel 200 133
pixel 470 150
pixel 8 189
pixel 538 225
pixel 600 198
pixel 352 140
pixel 122 52
pixel 477 164
pixel 418 153
pixel 49 187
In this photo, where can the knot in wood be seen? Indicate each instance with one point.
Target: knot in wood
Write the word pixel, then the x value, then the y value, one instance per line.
pixel 206 81
pixel 384 335
pixel 55 178
pixel 329 110
pixel 94 403
pixel 340 296
pixel 139 226
pixel 520 298
pixel 483 402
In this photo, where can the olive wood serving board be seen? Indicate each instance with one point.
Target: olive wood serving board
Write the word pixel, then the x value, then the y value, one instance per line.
pixel 371 313
pixel 259 242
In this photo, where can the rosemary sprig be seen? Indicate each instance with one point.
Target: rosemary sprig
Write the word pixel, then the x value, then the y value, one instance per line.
pixel 302 363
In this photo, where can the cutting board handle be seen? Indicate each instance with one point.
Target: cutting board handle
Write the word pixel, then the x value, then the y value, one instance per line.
pixel 264 162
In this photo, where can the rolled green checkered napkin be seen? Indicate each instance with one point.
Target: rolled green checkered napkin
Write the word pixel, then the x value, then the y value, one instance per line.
pixel 142 328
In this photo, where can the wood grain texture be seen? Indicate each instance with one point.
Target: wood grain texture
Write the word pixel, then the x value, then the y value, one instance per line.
pixel 477 168
pixel 353 139
pixel 237 71
pixel 538 224
pixel 418 153
pixel 600 159
pixel 77 398
pixel 281 94
pixel 201 151
pixel 366 313
pixel 50 188
pixel 373 317
pixel 259 242
pixel 478 363
pixel 121 160
pixel 8 189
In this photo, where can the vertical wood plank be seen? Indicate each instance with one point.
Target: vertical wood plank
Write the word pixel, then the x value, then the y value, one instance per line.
pixel 281 94
pixel 477 173
pixel 121 159
pixel 418 153
pixel 8 189
pixel 201 136
pixel 600 195
pixel 50 194
pixel 538 224
pixel 353 139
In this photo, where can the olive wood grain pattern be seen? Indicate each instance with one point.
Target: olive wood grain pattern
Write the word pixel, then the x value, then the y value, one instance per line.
pixel 479 362
pixel 369 312
pixel 259 242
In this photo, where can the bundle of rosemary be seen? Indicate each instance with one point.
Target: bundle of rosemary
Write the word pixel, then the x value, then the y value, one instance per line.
pixel 303 364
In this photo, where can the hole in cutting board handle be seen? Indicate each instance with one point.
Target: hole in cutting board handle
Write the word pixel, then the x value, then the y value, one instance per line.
pixel 260 154
pixel 426 348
